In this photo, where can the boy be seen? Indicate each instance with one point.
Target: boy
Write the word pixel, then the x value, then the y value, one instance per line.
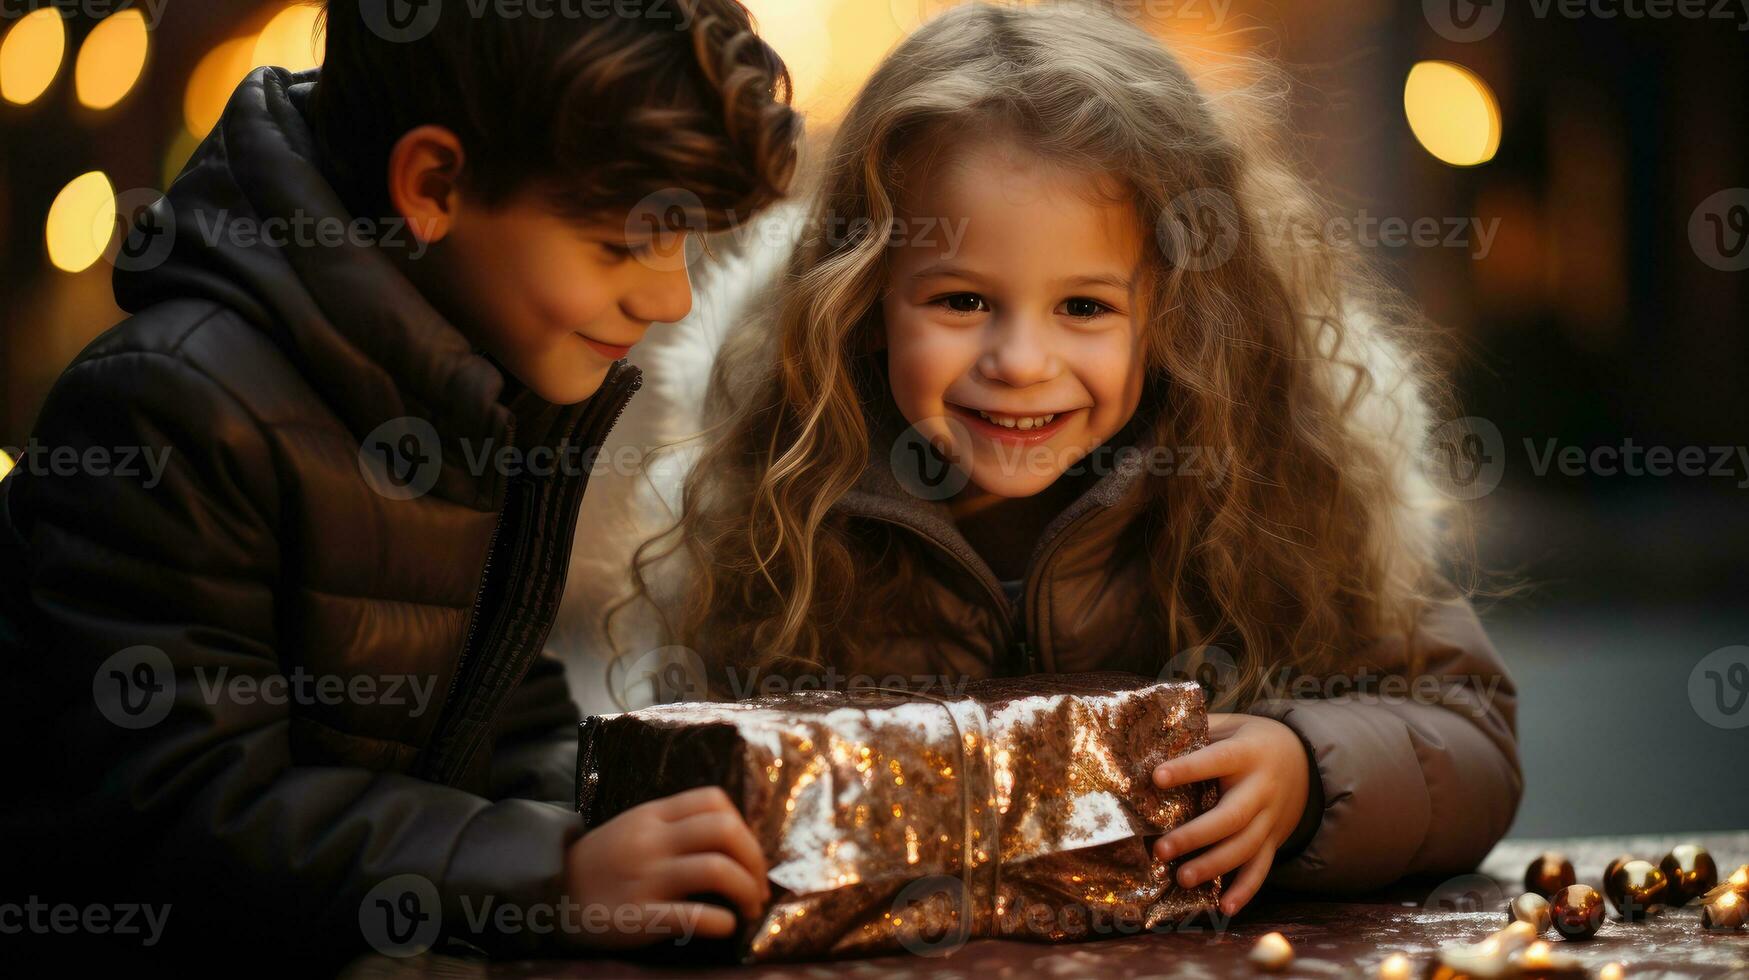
pixel 292 682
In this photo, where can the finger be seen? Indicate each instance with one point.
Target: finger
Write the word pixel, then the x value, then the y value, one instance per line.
pixel 1225 856
pixel 1209 762
pixel 725 831
pixel 697 919
pixel 1224 724
pixel 1235 811
pixel 685 804
pixel 1249 880
pixel 715 874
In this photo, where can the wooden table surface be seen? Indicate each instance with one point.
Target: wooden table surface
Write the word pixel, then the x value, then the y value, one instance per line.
pixel 1331 938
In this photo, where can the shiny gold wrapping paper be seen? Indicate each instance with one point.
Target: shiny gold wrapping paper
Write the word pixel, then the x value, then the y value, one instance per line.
pixel 882 814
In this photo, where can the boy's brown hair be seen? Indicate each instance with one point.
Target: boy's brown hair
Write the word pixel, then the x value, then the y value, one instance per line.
pixel 597 104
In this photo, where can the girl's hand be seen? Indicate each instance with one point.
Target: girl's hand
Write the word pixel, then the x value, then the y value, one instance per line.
pixel 648 866
pixel 1264 776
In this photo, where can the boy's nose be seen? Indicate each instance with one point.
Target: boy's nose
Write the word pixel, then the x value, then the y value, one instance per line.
pixel 1016 354
pixel 664 296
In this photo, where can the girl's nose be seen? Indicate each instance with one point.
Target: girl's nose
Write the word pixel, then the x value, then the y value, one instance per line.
pixel 1016 352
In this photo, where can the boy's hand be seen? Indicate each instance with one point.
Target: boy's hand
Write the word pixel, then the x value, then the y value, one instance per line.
pixel 649 865
pixel 1264 776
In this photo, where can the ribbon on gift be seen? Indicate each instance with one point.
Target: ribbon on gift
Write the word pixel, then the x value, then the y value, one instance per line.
pixel 967 849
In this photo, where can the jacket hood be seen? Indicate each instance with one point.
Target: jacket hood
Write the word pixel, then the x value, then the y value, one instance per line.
pixel 362 333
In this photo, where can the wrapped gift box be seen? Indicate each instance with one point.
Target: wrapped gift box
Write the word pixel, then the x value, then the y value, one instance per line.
pixel 1019 808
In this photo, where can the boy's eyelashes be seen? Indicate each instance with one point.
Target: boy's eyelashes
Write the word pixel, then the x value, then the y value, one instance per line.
pixel 622 251
pixel 1075 307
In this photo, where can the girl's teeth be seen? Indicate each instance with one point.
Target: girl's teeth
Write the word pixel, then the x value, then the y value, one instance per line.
pixel 1021 422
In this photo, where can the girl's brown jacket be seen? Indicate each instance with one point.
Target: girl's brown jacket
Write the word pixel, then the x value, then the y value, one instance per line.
pixel 1419 774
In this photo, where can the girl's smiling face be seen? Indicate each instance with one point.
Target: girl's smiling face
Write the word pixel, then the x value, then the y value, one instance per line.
pixel 1018 351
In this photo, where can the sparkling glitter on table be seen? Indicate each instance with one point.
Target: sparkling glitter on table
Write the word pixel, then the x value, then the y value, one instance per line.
pixel 867 803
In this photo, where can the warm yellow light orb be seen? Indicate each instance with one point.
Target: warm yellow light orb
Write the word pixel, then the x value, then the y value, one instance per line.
pixel 290 40
pixel 81 221
pixel 111 59
pixel 31 55
pixel 214 78
pixel 799 31
pixel 1453 113
pixel 5 464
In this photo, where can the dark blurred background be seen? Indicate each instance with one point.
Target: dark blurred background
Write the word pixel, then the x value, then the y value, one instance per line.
pixel 1564 186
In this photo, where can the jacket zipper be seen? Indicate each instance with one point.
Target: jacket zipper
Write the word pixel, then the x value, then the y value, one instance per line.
pixel 1029 598
pixel 466 655
pixel 1018 629
pixel 997 599
pixel 438 765
pixel 620 387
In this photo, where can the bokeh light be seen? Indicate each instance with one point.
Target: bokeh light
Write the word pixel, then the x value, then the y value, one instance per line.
pixel 212 82
pixel 81 221
pixel 1453 113
pixel 5 464
pixel 832 46
pixel 290 40
pixel 31 54
pixel 798 31
pixel 111 59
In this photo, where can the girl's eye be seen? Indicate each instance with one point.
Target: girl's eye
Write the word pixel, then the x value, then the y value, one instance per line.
pixel 964 303
pixel 1082 308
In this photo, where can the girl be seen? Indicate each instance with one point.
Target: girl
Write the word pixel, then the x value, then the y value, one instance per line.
pixel 1041 254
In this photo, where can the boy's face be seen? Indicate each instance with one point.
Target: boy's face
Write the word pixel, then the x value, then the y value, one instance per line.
pixel 1020 347
pixel 554 300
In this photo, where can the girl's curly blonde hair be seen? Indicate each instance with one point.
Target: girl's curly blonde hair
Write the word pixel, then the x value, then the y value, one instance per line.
pixel 1310 550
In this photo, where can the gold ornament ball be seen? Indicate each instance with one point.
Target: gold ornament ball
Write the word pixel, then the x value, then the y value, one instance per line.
pixel 1616 862
pixel 1548 874
pixel 1634 888
pixel 1690 871
pixel 1577 911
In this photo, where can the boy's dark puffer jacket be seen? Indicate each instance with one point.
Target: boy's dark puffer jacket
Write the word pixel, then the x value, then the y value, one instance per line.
pixel 265 815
